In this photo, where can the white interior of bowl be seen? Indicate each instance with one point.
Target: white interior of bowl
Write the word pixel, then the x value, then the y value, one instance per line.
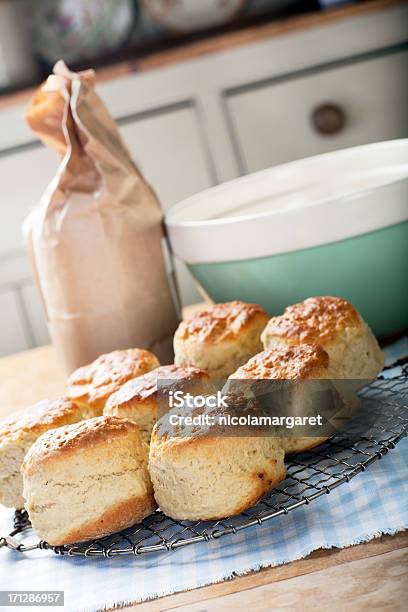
pixel 307 195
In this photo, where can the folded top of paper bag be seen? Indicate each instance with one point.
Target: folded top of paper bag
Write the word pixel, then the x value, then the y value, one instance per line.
pixel 95 239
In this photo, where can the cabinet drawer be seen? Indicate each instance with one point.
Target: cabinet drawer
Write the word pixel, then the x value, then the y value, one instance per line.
pixel 272 122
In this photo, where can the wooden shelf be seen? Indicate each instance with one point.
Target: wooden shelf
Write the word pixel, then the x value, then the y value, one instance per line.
pixel 217 43
pixel 256 33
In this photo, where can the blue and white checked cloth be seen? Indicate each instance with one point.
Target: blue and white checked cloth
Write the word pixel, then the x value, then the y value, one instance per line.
pixel 373 503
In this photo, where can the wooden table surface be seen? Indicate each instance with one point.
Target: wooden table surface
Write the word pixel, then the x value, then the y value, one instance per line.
pixel 369 576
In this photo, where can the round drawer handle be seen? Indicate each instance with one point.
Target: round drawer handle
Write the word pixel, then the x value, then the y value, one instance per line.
pixel 328 119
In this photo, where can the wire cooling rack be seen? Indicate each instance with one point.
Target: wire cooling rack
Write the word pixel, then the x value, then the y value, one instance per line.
pixel 379 424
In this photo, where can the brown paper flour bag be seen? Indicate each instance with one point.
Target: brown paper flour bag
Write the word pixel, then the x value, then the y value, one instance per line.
pixel 95 239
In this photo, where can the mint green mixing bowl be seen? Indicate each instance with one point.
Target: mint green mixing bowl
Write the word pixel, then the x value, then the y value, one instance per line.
pixel 336 224
pixel 371 271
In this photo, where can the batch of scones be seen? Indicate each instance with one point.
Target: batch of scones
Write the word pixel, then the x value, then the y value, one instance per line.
pixel 82 467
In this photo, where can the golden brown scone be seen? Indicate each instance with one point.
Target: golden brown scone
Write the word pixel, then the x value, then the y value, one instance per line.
pixel 202 476
pixel 305 361
pixel 334 324
pixel 220 338
pixel 301 362
pixel 20 431
pixel 87 480
pixel 93 384
pixel 138 399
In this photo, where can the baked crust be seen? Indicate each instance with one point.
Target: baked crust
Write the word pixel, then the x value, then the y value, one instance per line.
pixel 212 477
pixel 120 516
pixel 38 419
pixel 56 443
pixel 264 482
pixel 221 322
pixel 303 361
pixel 144 388
pixel 94 383
pixel 316 320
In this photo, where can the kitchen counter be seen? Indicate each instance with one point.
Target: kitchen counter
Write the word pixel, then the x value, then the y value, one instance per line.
pixel 371 575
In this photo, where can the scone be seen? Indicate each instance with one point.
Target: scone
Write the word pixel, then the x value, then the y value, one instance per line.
pixel 210 475
pixel 335 325
pixel 220 338
pixel 91 385
pixel 20 431
pixel 87 480
pixel 142 399
pixel 305 362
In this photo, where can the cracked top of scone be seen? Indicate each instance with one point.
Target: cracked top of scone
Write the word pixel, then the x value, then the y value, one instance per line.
pixel 145 388
pixel 315 320
pixel 39 418
pixel 304 361
pixel 95 382
pixel 78 437
pixel 221 322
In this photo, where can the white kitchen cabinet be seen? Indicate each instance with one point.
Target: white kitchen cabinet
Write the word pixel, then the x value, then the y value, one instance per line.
pixel 13 335
pixel 170 152
pixel 272 122
pixel 199 122
pixel 24 175
pixel 34 312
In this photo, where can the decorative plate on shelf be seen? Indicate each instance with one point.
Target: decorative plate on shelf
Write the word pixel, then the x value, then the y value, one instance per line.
pixel 190 15
pixel 76 31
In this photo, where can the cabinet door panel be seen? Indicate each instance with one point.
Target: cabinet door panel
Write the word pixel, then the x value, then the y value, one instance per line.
pixel 170 151
pixel 24 176
pixel 12 334
pixel 272 123
pixel 35 314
